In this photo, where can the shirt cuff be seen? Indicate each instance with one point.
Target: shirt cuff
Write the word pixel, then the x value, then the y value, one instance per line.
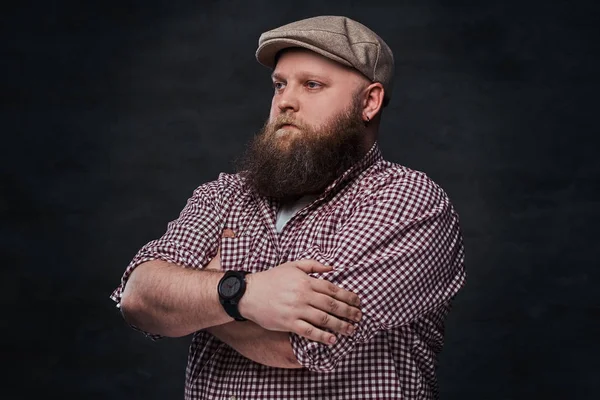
pixel 320 357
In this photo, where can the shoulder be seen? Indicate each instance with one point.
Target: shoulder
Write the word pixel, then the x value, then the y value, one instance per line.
pixel 407 191
pixel 225 188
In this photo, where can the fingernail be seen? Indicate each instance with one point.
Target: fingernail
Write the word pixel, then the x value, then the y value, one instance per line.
pixel 350 330
pixel 357 316
pixel 332 339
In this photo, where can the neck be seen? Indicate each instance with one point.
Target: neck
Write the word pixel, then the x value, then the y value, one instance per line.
pixel 371 134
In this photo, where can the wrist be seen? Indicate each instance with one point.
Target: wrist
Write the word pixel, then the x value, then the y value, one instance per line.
pixel 231 289
pixel 245 303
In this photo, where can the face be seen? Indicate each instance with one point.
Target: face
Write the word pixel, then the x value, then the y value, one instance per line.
pixel 315 129
pixel 311 89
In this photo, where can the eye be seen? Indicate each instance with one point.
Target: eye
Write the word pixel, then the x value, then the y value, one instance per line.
pixel 313 85
pixel 278 85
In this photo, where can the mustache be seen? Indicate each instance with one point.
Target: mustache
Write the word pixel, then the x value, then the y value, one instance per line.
pixel 282 120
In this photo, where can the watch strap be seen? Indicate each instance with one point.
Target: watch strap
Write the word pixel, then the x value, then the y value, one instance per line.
pixel 231 308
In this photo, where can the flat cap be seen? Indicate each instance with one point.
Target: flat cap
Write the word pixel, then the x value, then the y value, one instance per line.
pixel 339 38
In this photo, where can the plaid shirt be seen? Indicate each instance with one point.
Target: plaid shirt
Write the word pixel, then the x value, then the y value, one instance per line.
pixel 394 239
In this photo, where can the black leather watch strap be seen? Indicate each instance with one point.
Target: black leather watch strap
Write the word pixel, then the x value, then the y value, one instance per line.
pixel 233 311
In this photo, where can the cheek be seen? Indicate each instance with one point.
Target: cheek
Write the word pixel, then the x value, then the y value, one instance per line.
pixel 273 111
pixel 316 113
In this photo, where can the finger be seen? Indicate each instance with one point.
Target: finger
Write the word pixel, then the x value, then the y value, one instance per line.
pixel 332 290
pixel 311 332
pixel 322 319
pixel 335 307
pixel 310 266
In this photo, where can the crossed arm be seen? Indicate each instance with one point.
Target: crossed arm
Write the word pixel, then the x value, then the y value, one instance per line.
pixel 260 345
pixel 418 248
pixel 165 299
pixel 253 341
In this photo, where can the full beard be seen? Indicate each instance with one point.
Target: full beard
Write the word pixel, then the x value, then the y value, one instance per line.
pixel 287 165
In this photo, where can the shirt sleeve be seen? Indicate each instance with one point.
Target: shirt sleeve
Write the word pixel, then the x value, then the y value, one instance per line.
pixel 190 241
pixel 401 250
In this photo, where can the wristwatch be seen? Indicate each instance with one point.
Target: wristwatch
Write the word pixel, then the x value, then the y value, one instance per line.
pixel 231 288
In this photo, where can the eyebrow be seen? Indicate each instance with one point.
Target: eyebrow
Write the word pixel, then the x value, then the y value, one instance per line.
pixel 305 76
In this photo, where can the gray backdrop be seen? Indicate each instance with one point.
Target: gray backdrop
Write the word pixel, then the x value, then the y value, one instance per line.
pixel 113 112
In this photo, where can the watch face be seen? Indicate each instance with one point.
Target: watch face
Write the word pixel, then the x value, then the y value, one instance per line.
pixel 230 286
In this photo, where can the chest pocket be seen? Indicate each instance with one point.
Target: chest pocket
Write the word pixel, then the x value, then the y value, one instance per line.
pixel 235 252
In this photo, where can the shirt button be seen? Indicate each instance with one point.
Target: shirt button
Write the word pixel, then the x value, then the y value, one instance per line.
pixel 233 398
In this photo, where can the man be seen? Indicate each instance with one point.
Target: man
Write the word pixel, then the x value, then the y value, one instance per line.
pixel 319 271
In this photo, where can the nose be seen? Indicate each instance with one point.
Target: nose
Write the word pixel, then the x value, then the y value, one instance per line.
pixel 287 100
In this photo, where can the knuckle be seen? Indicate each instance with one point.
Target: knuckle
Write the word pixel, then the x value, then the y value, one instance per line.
pixel 325 319
pixel 308 331
pixel 307 283
pixel 350 311
pixel 333 305
pixel 300 295
pixel 333 288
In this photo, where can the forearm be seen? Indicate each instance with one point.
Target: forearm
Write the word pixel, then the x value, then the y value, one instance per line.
pixel 260 345
pixel 169 300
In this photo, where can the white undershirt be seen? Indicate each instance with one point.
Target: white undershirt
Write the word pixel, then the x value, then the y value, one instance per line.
pixel 287 211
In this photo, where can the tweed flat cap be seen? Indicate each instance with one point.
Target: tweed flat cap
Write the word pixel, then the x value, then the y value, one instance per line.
pixel 339 38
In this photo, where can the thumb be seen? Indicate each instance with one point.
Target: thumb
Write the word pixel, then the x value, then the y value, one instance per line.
pixel 309 266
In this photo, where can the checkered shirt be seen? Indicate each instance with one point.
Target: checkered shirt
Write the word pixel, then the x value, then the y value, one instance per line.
pixel 394 239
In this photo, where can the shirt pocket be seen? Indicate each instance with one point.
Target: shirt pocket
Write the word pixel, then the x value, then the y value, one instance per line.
pixel 235 252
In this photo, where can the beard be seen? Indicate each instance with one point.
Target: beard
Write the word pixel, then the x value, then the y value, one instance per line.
pixel 285 165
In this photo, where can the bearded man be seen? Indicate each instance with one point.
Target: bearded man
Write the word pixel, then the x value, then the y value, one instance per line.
pixel 319 270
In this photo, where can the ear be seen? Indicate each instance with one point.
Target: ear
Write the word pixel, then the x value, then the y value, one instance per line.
pixel 373 100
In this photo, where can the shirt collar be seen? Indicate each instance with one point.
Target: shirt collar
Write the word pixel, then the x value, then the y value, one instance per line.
pixel 373 156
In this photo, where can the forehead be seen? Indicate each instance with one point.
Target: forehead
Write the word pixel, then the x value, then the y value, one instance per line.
pixel 299 60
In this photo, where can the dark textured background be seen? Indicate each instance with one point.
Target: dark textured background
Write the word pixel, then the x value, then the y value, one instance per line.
pixel 114 111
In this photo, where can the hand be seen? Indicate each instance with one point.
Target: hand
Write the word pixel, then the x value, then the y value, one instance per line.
pixel 286 299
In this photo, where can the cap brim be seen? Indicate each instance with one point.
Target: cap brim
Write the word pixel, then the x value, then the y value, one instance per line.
pixel 267 51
